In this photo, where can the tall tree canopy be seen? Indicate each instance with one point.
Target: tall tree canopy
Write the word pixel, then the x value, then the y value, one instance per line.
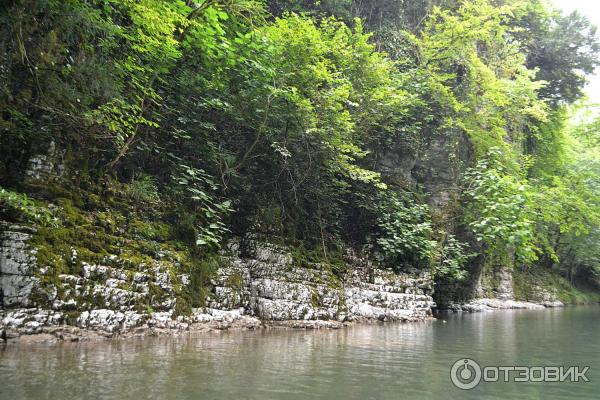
pixel 224 117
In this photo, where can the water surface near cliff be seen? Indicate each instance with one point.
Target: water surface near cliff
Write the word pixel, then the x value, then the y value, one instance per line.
pixel 389 361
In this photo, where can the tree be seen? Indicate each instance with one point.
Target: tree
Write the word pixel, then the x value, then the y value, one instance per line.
pixel 562 48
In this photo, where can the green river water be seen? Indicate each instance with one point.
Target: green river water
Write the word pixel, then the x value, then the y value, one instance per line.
pixel 377 361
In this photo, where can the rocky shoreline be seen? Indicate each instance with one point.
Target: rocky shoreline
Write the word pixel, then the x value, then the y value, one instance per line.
pixel 30 326
pixel 257 285
pixel 490 304
pixel 16 331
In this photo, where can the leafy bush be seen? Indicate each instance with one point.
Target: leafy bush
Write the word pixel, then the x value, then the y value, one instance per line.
pixel 405 230
pixel 498 208
pixel 196 188
pixel 17 207
pixel 144 189
pixel 451 257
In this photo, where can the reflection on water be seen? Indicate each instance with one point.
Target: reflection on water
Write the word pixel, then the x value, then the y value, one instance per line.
pixel 390 361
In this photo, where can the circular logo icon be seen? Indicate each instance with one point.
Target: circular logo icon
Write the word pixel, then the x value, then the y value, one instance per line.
pixel 465 374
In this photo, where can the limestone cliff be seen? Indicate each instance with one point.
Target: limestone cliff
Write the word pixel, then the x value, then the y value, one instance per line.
pixel 256 283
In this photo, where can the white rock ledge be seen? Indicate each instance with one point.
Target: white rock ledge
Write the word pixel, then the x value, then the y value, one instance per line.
pixel 479 305
pixel 257 286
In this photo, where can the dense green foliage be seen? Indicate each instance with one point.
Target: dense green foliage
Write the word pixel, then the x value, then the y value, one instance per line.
pixel 227 117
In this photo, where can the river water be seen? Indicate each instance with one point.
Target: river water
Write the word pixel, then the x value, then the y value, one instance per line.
pixel 379 361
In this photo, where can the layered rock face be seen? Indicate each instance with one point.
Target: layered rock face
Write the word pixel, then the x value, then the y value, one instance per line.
pixel 16 279
pixel 258 283
pixel 494 289
pixel 437 167
pixel 267 284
